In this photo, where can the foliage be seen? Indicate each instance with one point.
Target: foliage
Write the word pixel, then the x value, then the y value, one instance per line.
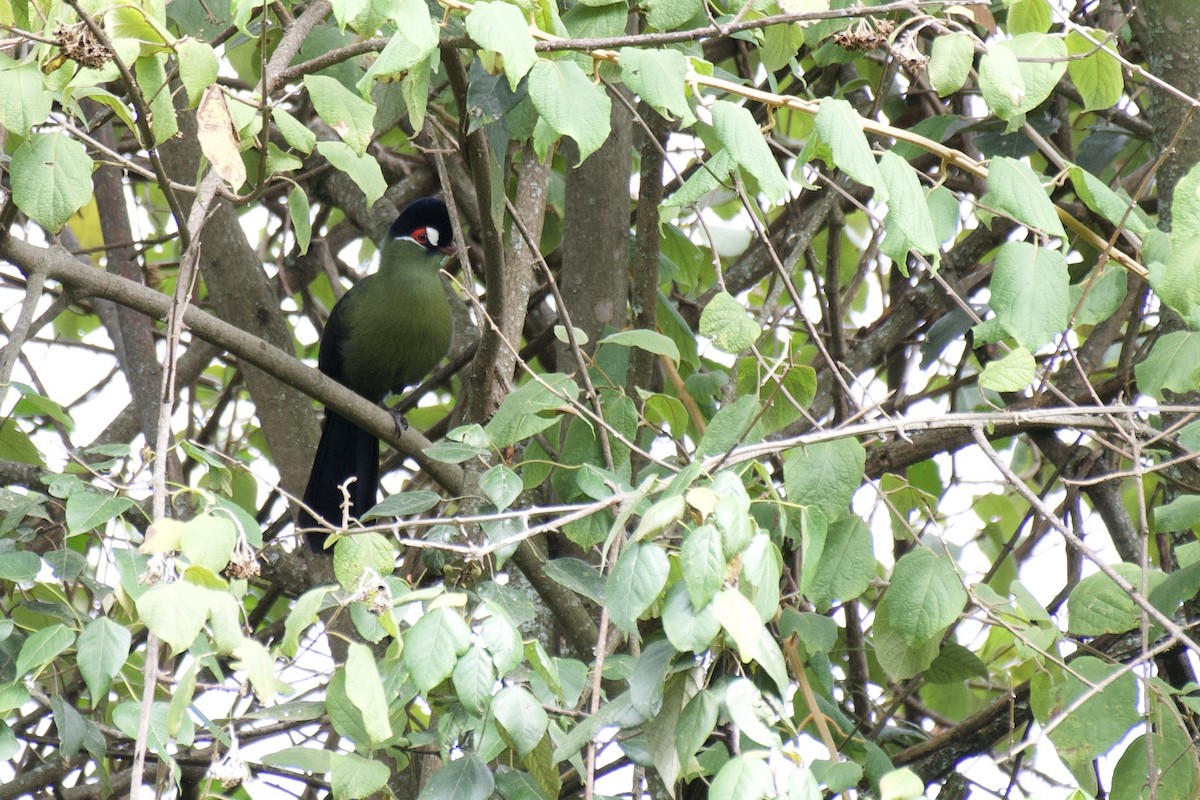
pixel 852 441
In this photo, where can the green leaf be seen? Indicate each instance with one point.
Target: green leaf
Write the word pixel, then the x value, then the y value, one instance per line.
pixel 1118 210
pixel 197 63
pixel 741 621
pixel 688 629
pixel 466 778
pixel 42 647
pixel 295 133
pixel 362 553
pixel 847 563
pixel 433 645
pixel 1090 729
pixel 578 576
pixel 736 129
pixel 650 341
pixel 500 485
pixel 1012 87
pixel 825 475
pixel 1014 188
pixel 88 510
pixel 1174 765
pixel 925 595
pixel 736 423
pixel 353 777
pixel 1185 208
pixel 1030 293
pixel 1012 373
pixel 24 99
pixel 363 169
pixel 899 659
pixel 521 717
pixel 750 713
pixel 208 541
pixel 659 77
pixel 524 412
pixel 570 103
pixel 908 205
pixel 1029 16
pixel 664 15
pixel 702 559
pixel 902 784
pixel 303 614
pixel 103 647
pixel 151 75
pixel 502 28
pixel 51 178
pixel 1097 605
pixel 1097 75
pixel 1173 364
pixel 351 117
pixel 474 678
pixel 950 61
pixel 365 690
pixel 743 778
pixel 841 128
pixel 726 322
pixel 635 583
pixel 404 504
pixel 175 612
pixel 256 660
pixel 301 217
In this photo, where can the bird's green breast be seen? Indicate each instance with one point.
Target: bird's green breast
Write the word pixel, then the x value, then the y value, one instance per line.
pixel 398 320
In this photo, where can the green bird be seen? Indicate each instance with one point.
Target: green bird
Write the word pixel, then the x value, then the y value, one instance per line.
pixel 388 332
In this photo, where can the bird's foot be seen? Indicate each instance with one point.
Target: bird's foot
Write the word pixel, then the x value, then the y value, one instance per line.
pixel 401 422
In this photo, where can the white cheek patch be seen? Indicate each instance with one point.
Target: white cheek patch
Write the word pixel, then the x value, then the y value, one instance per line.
pixel 433 236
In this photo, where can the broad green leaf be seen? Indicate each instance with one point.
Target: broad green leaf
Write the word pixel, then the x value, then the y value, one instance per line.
pixel 825 475
pixel 530 409
pixel 950 61
pixel 736 129
pixel 899 659
pixel 351 117
pixel 702 559
pixel 1015 188
pixel 847 563
pixel 696 722
pixel 502 28
pixel 736 423
pixel 295 133
pixel 743 778
pixel 955 664
pixel 197 67
pixel 88 510
pixel 726 322
pixel 741 621
pixel 24 99
pixel 1011 373
pixel 474 679
pixel 260 668
pixel 780 44
pixel 1097 75
pixel 902 784
pixel 1118 210
pixel 570 103
pixel 51 178
pixel 1090 729
pixel 1173 364
pixel 658 76
pixel 686 628
pixel 465 778
pixel 664 513
pixel 352 777
pixel 208 541
pixel 1012 87
pixel 344 11
pixel 1097 605
pixel 151 75
pixel 664 15
pixel 1175 766
pixel 925 595
pixel 841 128
pixel 500 485
pixel 907 203
pixel 175 612
pixel 650 341
pixel 578 576
pixel 432 646
pixel 1030 293
pixel 365 690
pixel 750 713
pixel 360 555
pixel 1185 208
pixel 363 169
pixel 103 647
pixel 42 647
pixel 521 716
pixel 404 504
pixel 1029 16
pixel 635 583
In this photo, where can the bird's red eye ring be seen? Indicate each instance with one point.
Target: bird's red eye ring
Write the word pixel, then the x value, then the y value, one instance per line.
pixel 420 236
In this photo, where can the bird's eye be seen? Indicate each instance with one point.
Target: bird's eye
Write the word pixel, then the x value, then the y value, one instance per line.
pixel 420 236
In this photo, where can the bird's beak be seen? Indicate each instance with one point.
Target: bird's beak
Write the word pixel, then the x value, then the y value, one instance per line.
pixel 449 249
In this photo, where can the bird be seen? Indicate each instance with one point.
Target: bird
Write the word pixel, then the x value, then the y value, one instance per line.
pixel 386 333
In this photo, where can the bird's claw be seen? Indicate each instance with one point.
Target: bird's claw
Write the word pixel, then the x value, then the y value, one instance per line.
pixel 401 422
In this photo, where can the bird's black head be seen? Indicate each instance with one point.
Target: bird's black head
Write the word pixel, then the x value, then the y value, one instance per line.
pixel 426 222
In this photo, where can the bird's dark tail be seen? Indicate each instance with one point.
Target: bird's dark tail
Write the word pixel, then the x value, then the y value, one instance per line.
pixel 346 451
